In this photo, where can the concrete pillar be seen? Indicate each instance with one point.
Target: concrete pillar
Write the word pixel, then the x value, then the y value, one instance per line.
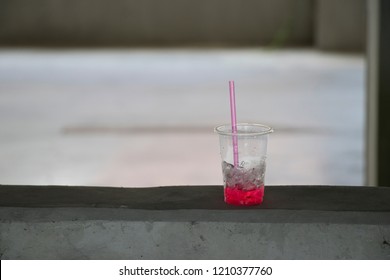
pixel 378 94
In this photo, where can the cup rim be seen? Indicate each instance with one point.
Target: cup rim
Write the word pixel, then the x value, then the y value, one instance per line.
pixel 267 129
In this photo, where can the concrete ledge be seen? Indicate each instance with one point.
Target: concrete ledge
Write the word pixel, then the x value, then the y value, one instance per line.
pixel 192 222
pixel 329 198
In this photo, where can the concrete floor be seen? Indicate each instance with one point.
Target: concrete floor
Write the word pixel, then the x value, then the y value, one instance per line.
pixel 145 117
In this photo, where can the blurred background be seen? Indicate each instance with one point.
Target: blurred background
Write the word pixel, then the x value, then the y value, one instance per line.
pixel 127 93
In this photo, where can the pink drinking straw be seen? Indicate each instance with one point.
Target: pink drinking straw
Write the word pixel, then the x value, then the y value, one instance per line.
pixel 234 122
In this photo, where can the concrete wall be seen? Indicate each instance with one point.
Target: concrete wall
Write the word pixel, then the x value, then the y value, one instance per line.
pixel 341 25
pixel 294 222
pixel 151 22
pixel 326 24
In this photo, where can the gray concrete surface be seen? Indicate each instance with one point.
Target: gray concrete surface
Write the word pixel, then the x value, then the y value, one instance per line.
pixel 193 223
pixel 145 117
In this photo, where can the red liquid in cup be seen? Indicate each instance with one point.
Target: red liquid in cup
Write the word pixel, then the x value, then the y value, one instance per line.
pixel 237 195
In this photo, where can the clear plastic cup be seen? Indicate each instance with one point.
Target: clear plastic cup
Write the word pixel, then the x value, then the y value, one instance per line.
pixel 244 183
